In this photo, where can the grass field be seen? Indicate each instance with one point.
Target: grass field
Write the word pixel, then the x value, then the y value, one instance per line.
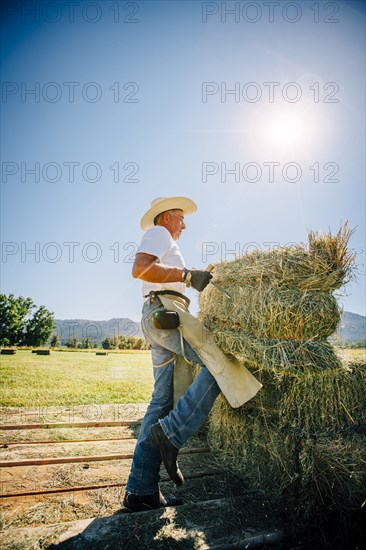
pixel 64 378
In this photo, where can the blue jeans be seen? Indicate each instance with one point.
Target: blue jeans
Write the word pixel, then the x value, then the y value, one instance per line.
pixel 179 423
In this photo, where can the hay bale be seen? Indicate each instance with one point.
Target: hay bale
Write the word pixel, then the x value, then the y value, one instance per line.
pixel 276 353
pixel 324 264
pixel 43 352
pixel 282 308
pixel 302 435
pixel 271 311
pixel 6 351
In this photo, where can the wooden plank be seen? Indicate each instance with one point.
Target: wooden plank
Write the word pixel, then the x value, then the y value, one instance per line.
pixel 91 458
pixel 219 524
pixel 51 425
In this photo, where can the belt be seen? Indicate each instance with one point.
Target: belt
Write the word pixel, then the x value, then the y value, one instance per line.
pixel 174 293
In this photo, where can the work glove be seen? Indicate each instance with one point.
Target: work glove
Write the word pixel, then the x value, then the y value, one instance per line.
pixel 196 278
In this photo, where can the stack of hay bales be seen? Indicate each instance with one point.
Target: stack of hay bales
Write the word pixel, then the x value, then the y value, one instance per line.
pixel 302 439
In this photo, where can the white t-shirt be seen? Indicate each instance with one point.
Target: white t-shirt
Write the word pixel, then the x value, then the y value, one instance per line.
pixel 158 242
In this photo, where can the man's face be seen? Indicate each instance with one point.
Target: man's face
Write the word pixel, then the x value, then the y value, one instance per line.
pixel 174 222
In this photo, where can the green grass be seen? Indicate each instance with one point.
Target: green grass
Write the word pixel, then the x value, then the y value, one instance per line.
pixel 359 353
pixel 64 378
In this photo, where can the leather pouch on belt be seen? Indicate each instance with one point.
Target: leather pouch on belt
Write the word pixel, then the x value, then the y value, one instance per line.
pixel 164 319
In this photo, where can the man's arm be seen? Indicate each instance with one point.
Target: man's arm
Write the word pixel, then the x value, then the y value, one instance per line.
pixel 148 268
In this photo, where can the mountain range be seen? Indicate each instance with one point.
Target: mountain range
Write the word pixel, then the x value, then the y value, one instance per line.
pixel 352 328
pixel 96 330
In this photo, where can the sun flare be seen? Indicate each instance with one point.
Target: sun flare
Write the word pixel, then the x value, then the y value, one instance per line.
pixel 292 130
pixel 286 130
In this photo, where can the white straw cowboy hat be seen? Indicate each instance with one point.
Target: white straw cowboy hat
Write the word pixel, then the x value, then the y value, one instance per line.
pixel 162 204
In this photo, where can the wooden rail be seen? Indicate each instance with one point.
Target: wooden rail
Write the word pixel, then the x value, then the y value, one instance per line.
pixel 62 441
pixel 93 487
pixel 78 459
pixel 91 458
pixel 50 425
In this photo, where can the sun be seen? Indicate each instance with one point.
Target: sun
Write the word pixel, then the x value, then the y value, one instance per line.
pixel 290 131
pixel 286 130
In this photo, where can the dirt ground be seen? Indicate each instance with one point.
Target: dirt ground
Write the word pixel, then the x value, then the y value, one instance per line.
pixel 19 445
pixel 219 511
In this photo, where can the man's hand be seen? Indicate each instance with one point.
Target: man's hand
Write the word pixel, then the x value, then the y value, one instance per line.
pixel 196 278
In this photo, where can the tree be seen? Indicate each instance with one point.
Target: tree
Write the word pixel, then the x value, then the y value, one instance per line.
pixel 124 342
pixel 110 342
pixel 55 340
pixel 72 342
pixel 14 313
pixel 39 327
pixel 19 327
pixel 86 343
pixel 140 343
pixel 361 344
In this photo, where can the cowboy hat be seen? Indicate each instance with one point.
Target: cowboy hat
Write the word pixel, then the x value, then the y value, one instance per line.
pixel 162 204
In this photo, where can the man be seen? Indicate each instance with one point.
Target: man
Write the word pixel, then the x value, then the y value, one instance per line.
pixel 165 430
pixel 172 331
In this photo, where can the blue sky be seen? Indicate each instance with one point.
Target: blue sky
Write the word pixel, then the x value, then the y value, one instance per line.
pixel 255 111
